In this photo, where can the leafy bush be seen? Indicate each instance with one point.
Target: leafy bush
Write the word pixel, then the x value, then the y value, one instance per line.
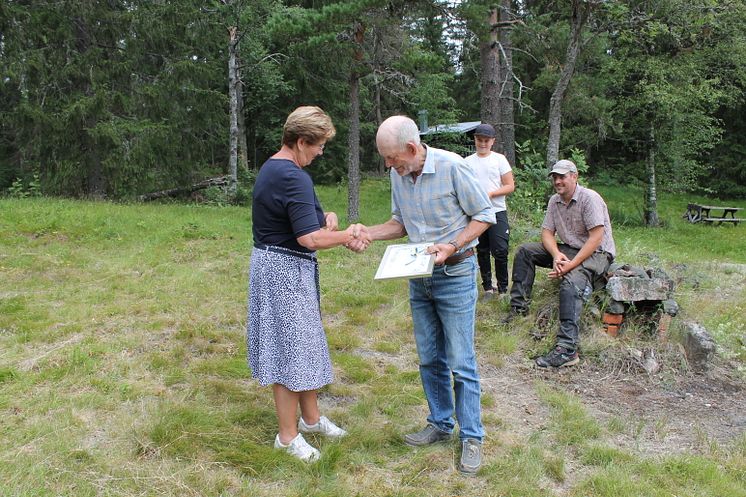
pixel 21 189
pixel 531 185
pixel 216 195
pixel 245 187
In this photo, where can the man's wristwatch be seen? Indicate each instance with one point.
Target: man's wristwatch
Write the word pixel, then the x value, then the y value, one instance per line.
pixel 455 245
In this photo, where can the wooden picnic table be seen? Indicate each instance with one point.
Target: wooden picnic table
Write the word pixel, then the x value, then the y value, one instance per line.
pixel 698 212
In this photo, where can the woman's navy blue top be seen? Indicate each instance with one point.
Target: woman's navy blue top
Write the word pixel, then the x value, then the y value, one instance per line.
pixel 284 205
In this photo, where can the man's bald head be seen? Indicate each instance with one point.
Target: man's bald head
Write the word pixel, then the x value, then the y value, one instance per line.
pixel 396 132
pixel 398 142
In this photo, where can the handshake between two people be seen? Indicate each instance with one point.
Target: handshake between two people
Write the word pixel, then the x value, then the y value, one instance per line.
pixel 361 237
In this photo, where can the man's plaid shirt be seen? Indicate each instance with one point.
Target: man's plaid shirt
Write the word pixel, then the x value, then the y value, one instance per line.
pixel 443 200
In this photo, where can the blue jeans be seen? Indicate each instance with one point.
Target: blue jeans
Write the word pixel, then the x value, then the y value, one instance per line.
pixel 443 311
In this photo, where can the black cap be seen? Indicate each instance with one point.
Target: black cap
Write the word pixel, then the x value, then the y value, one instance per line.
pixel 485 130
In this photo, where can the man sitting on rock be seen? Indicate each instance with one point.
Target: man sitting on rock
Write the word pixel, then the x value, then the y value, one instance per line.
pixel 580 218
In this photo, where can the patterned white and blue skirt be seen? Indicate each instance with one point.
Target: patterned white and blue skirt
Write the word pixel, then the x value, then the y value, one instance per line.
pixel 285 338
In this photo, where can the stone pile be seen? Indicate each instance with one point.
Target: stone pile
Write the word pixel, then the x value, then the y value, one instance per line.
pixel 650 289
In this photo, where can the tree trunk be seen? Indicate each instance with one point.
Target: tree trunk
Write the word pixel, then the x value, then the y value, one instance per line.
pixel 95 181
pixel 506 88
pixel 651 198
pixel 353 142
pixel 378 49
pixel 490 56
pixel 379 120
pixel 177 192
pixel 233 103
pixel 579 16
pixel 243 147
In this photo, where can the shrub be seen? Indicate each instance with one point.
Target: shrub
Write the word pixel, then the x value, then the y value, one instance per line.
pixel 32 188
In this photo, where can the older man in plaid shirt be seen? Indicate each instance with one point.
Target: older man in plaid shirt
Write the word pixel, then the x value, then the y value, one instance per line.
pixel 436 198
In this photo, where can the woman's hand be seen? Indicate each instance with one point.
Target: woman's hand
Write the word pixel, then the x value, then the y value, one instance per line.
pixel 332 222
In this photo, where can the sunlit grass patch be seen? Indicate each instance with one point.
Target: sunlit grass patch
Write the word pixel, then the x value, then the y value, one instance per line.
pixel 487 400
pixel 616 425
pixel 571 424
pixel 616 482
pixel 492 420
pixel 517 471
pixel 495 342
pixel 423 465
pixel 389 346
pixel 223 366
pixel 243 436
pixel 554 466
pixel 355 369
pixel 677 475
pixel 601 455
pixel 401 404
pixel 342 337
pixel 8 375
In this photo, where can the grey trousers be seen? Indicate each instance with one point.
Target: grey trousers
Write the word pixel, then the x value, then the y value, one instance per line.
pixel 575 287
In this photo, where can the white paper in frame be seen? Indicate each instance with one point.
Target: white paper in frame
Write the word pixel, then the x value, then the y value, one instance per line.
pixel 406 260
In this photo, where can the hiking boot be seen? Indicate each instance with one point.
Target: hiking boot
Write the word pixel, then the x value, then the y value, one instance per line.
pixel 514 313
pixel 299 448
pixel 471 456
pixel 324 426
pixel 559 357
pixel 429 435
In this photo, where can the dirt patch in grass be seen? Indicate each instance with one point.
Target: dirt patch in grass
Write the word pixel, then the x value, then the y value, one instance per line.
pixel 687 415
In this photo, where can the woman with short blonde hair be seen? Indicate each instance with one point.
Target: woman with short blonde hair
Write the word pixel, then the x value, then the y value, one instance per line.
pixel 309 122
pixel 287 345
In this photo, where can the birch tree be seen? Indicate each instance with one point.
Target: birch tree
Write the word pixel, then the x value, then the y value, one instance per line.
pixel 580 11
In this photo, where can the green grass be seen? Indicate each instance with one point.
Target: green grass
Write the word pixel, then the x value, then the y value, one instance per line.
pixel 123 369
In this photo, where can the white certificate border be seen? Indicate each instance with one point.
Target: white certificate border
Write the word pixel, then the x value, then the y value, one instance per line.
pixel 393 263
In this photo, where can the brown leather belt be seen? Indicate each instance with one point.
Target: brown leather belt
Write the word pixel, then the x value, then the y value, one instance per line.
pixel 455 259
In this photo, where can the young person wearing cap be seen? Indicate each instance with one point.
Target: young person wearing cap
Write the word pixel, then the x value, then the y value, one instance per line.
pixel 580 218
pixel 494 173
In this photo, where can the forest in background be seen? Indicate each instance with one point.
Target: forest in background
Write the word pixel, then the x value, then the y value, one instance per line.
pixel 112 99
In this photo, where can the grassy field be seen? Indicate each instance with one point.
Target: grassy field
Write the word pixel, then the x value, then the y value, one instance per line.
pixel 123 371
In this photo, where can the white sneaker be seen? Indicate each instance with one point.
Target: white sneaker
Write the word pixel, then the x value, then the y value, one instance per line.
pixel 324 426
pixel 299 448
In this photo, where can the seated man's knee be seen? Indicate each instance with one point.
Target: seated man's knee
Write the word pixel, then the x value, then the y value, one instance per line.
pixel 573 288
pixel 526 250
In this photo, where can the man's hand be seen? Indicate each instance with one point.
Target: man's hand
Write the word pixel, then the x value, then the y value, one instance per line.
pixel 442 252
pixel 561 266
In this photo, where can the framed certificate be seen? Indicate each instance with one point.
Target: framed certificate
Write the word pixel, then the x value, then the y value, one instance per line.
pixel 407 260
